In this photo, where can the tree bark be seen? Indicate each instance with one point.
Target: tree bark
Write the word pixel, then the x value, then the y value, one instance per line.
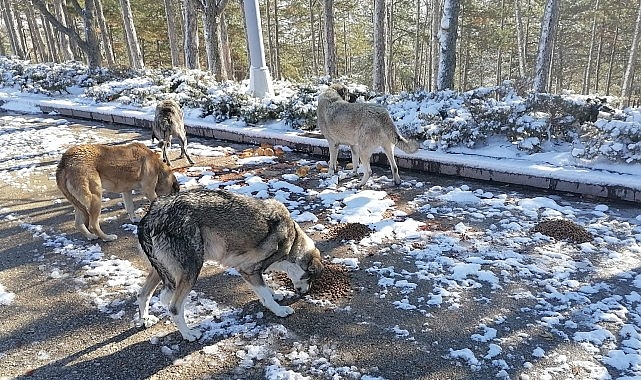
pixel 544 56
pixel 330 39
pixel 447 37
pixel 212 11
pixel 65 43
pixel 190 46
pixel 378 64
pixel 436 17
pixel 587 74
pixel 36 37
pixel 104 34
pixel 89 45
pixel 312 28
pixel 135 54
pixel 520 37
pixel 14 34
pixel 626 88
pixel 171 33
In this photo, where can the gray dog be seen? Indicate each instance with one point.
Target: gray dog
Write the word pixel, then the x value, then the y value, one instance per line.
pixel 183 230
pixel 362 126
pixel 169 122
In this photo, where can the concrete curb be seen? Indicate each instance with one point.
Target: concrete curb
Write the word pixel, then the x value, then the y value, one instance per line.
pixel 318 146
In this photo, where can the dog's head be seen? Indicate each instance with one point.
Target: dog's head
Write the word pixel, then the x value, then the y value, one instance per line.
pixel 167 182
pixel 303 264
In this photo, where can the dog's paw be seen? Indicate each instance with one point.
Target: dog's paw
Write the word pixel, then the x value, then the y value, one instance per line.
pixel 135 219
pixel 283 311
pixel 191 334
pixel 147 321
pixel 278 297
pixel 91 236
pixel 109 237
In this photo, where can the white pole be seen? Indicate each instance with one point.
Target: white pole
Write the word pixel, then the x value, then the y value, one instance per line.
pixel 260 81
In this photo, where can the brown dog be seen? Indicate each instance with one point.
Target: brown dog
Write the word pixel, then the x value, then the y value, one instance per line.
pixel 85 170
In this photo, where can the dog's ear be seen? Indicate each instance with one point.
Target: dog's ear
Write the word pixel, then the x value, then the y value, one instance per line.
pixel 315 267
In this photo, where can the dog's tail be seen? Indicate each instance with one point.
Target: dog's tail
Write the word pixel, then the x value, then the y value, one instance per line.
pixel 61 181
pixel 406 145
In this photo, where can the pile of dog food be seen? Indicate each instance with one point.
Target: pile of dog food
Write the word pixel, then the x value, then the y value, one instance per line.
pixel 563 229
pixel 333 284
pixel 348 231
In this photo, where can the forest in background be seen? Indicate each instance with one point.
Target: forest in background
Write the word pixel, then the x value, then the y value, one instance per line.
pixel 592 44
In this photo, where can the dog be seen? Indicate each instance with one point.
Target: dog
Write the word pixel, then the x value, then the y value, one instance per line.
pixel 362 126
pixel 85 170
pixel 168 122
pixel 252 235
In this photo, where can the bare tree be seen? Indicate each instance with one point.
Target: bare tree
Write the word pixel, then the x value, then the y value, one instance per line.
pixel 435 46
pixel 520 37
pixel 447 38
pixel 213 9
pixel 14 33
pixel 104 34
pixel 190 46
pixel 626 88
pixel 171 33
pixel 330 39
pixel 65 43
pixel 36 38
pixel 378 64
pixel 546 40
pixel 133 46
pixel 89 45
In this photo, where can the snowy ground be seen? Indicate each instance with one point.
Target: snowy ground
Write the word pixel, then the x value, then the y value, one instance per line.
pixel 551 309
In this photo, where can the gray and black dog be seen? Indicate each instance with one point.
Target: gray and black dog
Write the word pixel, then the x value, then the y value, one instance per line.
pixel 252 235
pixel 168 122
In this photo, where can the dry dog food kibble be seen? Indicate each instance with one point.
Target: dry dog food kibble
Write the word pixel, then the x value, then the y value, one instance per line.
pixel 563 229
pixel 349 231
pixel 332 285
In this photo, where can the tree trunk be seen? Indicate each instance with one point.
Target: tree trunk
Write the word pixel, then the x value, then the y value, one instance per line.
pixel 171 33
pixel 544 56
pixel 52 43
pixel 436 17
pixel 36 37
pixel 520 37
pixel 597 71
pixel 312 24
pixel 613 51
pixel 270 40
pixel 626 88
pixel 417 46
pixel 330 39
pixel 277 74
pixel 65 43
pixel 14 34
pixel 588 65
pixel 104 34
pixel 190 46
pixel 213 10
pixel 447 57
pixel 378 64
pixel 227 66
pixel 389 56
pixel 499 50
pixel 89 45
pixel 135 54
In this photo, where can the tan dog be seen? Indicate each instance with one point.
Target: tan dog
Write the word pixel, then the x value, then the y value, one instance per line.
pixel 362 126
pixel 85 170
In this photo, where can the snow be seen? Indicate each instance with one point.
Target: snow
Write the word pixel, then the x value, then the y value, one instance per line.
pixel 571 289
